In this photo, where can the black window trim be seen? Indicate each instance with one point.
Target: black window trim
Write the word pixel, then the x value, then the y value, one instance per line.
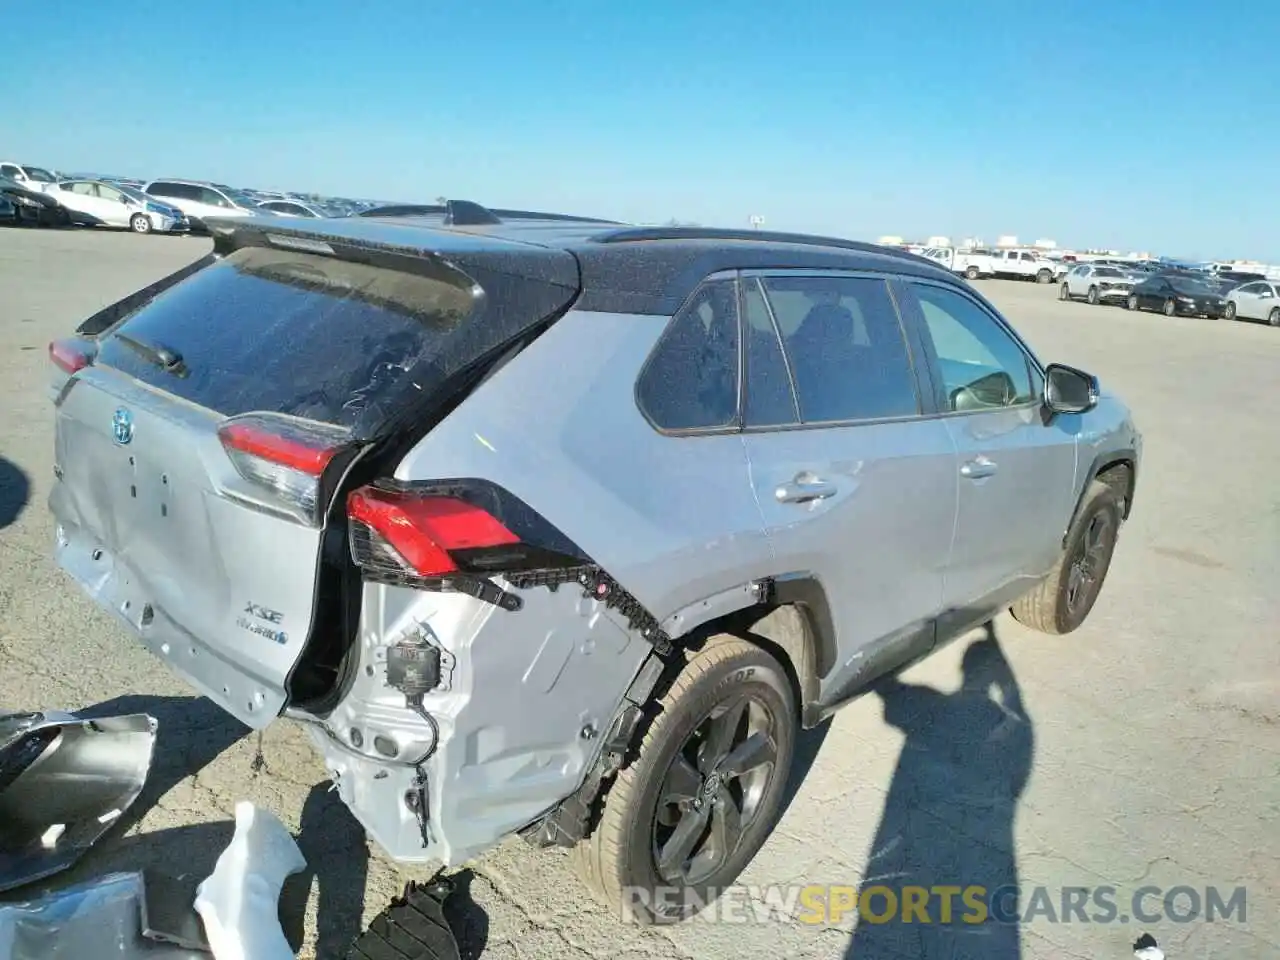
pixel 914 314
pixel 743 282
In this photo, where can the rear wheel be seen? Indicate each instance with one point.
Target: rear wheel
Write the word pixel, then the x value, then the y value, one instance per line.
pixel 1170 308
pixel 1273 317
pixel 971 273
pixel 1064 599
pixel 140 223
pixel 1229 311
pixel 1093 296
pixel 682 821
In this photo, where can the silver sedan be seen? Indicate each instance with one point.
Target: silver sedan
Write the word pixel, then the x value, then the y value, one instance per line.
pixel 1259 300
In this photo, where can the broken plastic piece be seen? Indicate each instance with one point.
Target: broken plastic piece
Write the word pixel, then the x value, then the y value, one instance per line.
pixel 240 900
pixel 413 927
pixel 169 914
pixel 63 782
pixel 96 919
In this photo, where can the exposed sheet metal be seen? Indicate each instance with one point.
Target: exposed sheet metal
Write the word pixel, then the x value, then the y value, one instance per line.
pixel 96 919
pixel 63 782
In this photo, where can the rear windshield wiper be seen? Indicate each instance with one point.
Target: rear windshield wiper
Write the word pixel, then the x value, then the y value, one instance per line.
pixel 163 357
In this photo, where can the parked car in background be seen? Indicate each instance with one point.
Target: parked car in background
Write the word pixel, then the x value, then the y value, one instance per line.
pixel 1026 265
pixel 1228 280
pixel 1096 284
pixel 299 208
pixel 1259 300
pixel 95 203
pixel 200 199
pixel 33 206
pixel 36 179
pixel 1177 295
pixel 970 264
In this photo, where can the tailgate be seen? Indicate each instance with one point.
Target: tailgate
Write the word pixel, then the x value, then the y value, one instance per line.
pixel 199 448
pixel 153 527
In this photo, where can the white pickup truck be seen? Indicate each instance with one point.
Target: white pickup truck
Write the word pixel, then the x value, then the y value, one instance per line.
pixel 968 263
pixel 1021 264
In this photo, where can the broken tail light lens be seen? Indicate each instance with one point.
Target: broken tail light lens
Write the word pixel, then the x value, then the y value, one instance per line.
pixel 284 456
pixel 419 532
pixel 427 532
pixel 71 354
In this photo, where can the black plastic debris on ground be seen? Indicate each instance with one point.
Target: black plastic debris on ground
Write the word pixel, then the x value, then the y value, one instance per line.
pixel 413 927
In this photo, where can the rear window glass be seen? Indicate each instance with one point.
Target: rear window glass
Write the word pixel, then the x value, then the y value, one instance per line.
pixel 291 332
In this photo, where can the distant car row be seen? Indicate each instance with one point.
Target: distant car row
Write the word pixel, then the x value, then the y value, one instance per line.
pixel 1231 295
pixel 34 195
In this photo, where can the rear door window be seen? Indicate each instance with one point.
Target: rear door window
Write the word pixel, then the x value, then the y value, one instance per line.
pixel 846 347
pixel 296 333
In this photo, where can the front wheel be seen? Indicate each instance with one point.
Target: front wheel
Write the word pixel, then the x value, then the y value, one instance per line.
pixel 1131 303
pixel 1064 599
pixel 1170 308
pixel 1064 292
pixel 1229 311
pixel 1273 318
pixel 971 273
pixel 1044 276
pixel 681 822
pixel 140 223
pixel 1093 296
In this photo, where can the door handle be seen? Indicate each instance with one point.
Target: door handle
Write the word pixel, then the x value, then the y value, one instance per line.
pixel 979 468
pixel 804 489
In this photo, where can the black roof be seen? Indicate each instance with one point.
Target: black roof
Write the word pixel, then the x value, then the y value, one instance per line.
pixel 620 268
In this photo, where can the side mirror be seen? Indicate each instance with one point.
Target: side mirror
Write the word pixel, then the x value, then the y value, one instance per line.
pixel 1068 390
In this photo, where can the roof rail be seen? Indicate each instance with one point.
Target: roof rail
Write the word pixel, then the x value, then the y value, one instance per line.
pixel 468 213
pixel 638 234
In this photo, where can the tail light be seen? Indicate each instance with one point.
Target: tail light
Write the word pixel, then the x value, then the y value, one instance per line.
pixel 71 354
pixel 285 456
pixel 408 534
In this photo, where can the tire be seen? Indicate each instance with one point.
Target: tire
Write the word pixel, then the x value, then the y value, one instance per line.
pixel 1063 600
pixel 1093 296
pixel 1064 292
pixel 1229 311
pixel 971 273
pixel 1044 276
pixel 619 860
pixel 1131 303
pixel 1170 308
pixel 1273 318
pixel 140 223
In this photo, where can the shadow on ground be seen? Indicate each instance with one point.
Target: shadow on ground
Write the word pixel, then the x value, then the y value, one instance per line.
pixel 949 814
pixel 15 491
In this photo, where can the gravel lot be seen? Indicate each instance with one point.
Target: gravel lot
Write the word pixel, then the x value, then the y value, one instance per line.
pixel 1154 756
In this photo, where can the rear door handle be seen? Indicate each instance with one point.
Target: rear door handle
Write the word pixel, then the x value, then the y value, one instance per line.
pixel 805 488
pixel 979 468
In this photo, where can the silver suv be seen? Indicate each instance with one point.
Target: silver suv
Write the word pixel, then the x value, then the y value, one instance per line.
pixel 562 527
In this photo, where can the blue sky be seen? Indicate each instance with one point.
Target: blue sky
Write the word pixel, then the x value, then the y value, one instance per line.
pixel 1140 125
